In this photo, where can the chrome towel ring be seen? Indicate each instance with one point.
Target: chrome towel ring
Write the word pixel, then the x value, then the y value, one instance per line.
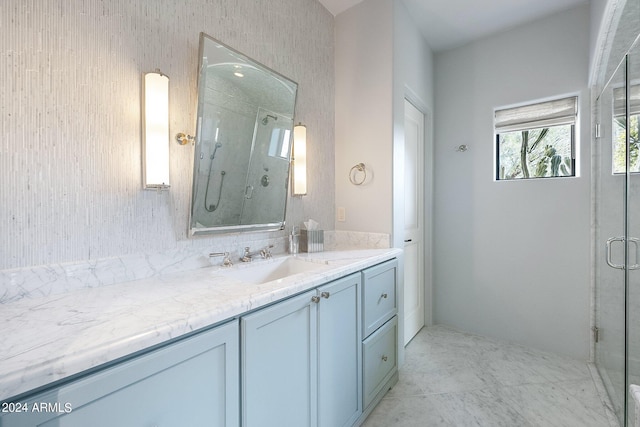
pixel 358 174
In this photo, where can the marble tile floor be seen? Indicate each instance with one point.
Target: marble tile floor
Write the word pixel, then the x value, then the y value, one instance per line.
pixel 452 378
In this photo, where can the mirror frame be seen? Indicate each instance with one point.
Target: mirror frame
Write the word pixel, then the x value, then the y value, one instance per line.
pixel 273 226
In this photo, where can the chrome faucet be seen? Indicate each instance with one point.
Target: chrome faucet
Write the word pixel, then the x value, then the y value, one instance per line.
pixel 226 262
pixel 265 253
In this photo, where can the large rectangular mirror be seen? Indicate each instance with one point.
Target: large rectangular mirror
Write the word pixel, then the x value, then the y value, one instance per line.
pixel 243 143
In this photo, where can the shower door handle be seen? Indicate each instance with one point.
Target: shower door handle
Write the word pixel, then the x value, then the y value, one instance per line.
pixel 635 242
pixel 609 261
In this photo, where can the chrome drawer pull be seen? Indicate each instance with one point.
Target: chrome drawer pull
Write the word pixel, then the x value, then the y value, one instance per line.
pixel 384 358
pixel 325 295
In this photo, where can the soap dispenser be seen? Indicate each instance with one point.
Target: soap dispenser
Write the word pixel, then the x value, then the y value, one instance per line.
pixel 294 241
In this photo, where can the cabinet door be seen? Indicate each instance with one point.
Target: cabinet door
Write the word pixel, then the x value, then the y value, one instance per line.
pixel 279 364
pixel 339 360
pixel 194 382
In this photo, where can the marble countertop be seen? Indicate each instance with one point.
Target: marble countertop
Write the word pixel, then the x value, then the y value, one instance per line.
pixel 50 338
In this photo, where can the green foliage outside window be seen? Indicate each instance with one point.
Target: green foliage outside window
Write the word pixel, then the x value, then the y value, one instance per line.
pixel 536 153
pixel 619 152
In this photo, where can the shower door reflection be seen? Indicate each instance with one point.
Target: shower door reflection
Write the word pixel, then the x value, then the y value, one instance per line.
pixel 268 170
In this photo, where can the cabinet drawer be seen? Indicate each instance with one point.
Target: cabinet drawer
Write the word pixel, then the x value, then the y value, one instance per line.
pixel 379 359
pixel 378 295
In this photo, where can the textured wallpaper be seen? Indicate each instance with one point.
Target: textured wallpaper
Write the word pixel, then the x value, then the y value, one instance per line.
pixel 70 79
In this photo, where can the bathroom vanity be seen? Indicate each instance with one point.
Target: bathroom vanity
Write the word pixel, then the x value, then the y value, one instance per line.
pixel 291 344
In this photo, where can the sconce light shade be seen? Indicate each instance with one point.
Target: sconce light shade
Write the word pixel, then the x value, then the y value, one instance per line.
pixel 155 131
pixel 299 160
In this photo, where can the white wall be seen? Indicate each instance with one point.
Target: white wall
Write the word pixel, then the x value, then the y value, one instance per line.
pixel 413 62
pixel 512 259
pixel 381 58
pixel 364 63
pixel 413 73
pixel 70 148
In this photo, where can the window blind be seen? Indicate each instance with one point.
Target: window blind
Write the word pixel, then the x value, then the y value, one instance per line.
pixel 620 101
pixel 534 116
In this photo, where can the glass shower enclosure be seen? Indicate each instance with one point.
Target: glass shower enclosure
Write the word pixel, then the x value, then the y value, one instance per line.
pixel 616 200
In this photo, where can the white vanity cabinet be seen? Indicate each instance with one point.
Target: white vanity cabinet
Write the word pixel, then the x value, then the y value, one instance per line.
pixel 301 359
pixel 192 382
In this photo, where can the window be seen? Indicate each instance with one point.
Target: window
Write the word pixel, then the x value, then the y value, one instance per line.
pixel 536 140
pixel 279 143
pixel 619 129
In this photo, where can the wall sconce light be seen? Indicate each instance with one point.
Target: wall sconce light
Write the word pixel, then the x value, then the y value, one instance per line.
pixel 299 163
pixel 155 131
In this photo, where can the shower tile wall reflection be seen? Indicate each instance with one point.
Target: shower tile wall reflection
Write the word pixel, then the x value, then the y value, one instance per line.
pixel 457 379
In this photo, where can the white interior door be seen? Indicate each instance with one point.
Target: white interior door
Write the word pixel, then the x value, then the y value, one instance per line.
pixel 414 221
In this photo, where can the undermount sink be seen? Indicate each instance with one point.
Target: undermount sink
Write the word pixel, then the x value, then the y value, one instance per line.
pixel 270 270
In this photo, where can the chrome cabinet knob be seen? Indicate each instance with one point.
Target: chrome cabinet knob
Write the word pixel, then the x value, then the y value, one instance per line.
pixel 384 295
pixel 325 295
pixel 384 358
pixel 315 298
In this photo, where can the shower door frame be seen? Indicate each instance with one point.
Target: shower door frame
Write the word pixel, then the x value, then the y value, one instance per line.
pixel 610 290
pixel 618 393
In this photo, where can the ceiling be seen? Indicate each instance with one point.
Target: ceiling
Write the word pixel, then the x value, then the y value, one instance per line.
pixel 447 24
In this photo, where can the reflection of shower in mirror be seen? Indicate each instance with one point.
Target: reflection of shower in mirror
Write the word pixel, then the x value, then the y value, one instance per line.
pixel 211 208
pixel 252 119
pixel 218 145
pixel 266 118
